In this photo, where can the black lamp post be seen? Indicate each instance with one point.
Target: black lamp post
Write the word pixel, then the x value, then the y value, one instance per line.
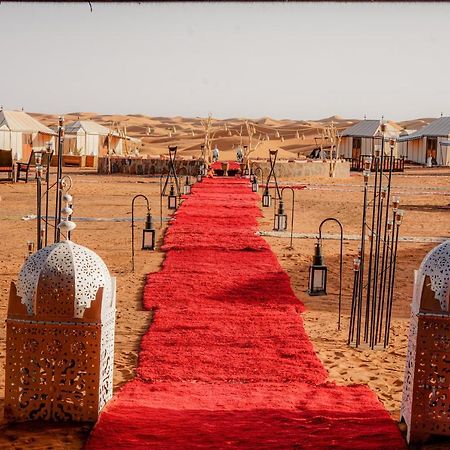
pixel 318 272
pixel 148 233
pixel 280 218
pixel 172 198
pixel 187 186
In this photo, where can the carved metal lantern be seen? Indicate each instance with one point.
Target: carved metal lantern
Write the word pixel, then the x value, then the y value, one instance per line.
pixel 172 199
pixel 187 187
pixel 60 336
pixel 280 218
pixel 317 273
pixel 148 234
pixel 255 186
pixel 426 401
pixel 266 199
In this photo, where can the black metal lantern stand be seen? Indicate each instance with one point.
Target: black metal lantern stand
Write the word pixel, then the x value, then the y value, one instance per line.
pixel 374 287
pixel 254 176
pixel 284 220
pixel 320 240
pixel 172 198
pixel 266 198
pixel 148 232
pixel 317 272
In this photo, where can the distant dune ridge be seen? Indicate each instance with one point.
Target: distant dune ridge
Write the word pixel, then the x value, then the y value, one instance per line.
pixel 293 138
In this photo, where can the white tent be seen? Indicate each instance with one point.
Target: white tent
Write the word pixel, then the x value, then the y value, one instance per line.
pixel 429 141
pixel 361 138
pixel 22 133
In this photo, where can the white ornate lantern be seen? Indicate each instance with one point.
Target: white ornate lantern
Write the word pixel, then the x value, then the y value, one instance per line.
pixel 426 401
pixel 60 336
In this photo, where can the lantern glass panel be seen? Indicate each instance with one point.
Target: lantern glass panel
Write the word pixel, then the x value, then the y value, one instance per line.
pixel 255 187
pixel 172 202
pixel 148 239
pixel 317 280
pixel 187 189
pixel 280 222
pixel 266 200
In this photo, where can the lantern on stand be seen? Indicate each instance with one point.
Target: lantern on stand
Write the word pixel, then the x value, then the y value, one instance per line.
pixel 148 233
pixel 280 219
pixel 266 198
pixel 187 187
pixel 317 273
pixel 172 198
pixel 255 186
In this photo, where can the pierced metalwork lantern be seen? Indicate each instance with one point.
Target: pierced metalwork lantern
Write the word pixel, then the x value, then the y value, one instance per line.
pixel 60 336
pixel 280 219
pixel 266 199
pixel 317 273
pixel 426 402
pixel 148 234
pixel 172 198
pixel 255 186
pixel 187 187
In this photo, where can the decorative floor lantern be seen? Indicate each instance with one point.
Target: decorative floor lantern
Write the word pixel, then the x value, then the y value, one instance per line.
pixel 187 187
pixel 172 199
pixel 426 401
pixel 280 219
pixel 317 273
pixel 148 233
pixel 60 336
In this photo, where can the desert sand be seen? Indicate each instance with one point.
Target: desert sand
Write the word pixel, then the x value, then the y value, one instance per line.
pixel 425 197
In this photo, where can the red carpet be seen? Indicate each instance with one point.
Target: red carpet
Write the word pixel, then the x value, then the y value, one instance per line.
pixel 227 363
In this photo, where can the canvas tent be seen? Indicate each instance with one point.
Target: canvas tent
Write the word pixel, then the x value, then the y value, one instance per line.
pixel 430 141
pixel 361 138
pixel 86 137
pixel 21 133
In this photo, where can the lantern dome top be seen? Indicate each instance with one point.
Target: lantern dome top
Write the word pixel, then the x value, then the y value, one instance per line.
pixel 436 265
pixel 66 272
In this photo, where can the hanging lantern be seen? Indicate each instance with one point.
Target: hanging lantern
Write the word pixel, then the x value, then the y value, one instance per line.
pixel 172 199
pixel 148 234
pixel 187 187
pixel 266 199
pixel 255 186
pixel 280 219
pixel 317 273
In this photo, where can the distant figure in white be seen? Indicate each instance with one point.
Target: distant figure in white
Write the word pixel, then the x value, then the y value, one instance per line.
pixel 239 155
pixel 215 154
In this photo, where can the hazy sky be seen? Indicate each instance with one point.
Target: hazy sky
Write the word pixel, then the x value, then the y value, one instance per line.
pixel 300 61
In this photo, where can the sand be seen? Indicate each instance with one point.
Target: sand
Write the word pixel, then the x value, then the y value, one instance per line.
pixel 424 196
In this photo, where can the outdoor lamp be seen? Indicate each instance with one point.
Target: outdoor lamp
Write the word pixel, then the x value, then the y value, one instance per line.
pixel 199 177
pixel 30 246
pixel 377 151
pixel 395 202
pixel 148 234
pixel 280 219
pixel 172 199
pixel 366 175
pixel 356 264
pixel 399 217
pixel 187 187
pixel 367 163
pixel 255 186
pixel 317 273
pixel 266 199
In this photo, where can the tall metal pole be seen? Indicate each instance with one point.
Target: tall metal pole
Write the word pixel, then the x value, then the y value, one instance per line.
pixel 58 178
pixel 292 213
pixel 132 225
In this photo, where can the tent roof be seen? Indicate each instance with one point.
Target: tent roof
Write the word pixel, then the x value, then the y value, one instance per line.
pixel 22 122
pixel 369 128
pixel 88 126
pixel 439 127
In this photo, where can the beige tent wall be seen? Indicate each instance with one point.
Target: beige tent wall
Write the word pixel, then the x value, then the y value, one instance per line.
pixel 11 140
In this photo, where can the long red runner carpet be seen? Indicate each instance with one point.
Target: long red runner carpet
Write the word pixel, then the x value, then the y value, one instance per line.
pixel 227 363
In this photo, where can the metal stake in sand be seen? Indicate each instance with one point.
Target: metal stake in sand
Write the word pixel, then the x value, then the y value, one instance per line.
pixel 292 213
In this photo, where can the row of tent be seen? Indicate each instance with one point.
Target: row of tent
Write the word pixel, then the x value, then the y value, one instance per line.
pixel 428 144
pixel 20 133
